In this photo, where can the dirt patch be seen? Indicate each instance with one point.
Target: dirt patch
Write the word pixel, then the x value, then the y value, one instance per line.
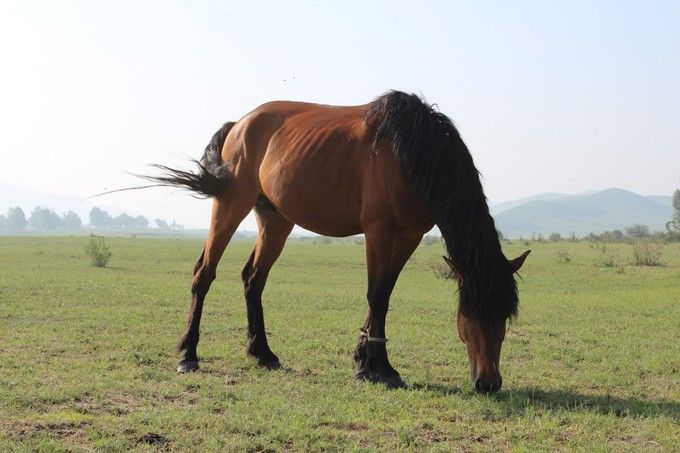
pixel 152 439
pixel 71 432
pixel 350 427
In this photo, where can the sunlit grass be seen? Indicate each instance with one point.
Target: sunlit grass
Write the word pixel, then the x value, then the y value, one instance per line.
pixel 87 355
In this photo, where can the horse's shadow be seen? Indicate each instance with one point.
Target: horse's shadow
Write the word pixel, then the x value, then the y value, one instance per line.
pixel 517 400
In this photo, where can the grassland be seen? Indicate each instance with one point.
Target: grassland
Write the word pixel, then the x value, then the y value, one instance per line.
pixel 87 356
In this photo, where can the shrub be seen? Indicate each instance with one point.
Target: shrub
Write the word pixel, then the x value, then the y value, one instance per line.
pixel 563 257
pixel 608 257
pixel 98 251
pixel 647 253
pixel 440 268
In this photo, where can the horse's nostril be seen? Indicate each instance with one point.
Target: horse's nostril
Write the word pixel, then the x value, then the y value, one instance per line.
pixel 478 385
pixel 491 387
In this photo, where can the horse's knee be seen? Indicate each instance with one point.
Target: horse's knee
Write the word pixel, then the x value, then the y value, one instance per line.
pixel 248 269
pixel 203 277
pixel 252 290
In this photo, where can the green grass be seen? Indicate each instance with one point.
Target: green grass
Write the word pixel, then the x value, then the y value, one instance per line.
pixel 87 357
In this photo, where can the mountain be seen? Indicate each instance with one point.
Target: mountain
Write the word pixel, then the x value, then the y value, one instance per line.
pixel 584 213
pixel 663 199
pixel 497 208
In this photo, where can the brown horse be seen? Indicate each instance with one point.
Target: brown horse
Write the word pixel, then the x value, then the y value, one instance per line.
pixel 390 169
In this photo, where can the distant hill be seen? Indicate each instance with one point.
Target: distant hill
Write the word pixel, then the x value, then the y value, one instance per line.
pixel 497 208
pixel 582 213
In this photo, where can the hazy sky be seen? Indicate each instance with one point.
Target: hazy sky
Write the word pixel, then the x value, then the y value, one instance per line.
pixel 549 96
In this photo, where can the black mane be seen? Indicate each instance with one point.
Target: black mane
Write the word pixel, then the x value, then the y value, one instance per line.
pixel 435 158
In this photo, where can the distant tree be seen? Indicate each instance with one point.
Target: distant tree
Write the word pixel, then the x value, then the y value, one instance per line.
pixel 638 231
pixel 44 219
pixel 176 226
pixel 612 236
pixel 592 237
pixel 500 235
pixel 162 224
pixel 673 226
pixel 3 222
pixel 71 221
pixel 124 221
pixel 141 221
pixel 16 219
pixel 554 237
pixel 100 218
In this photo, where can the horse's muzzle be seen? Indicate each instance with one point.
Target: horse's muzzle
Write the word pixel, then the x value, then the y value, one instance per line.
pixel 488 386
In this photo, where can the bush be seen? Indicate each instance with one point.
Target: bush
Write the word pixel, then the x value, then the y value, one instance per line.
pixel 609 257
pixel 563 257
pixel 440 268
pixel 98 251
pixel 647 253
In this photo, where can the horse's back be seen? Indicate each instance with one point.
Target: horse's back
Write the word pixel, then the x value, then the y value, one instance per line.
pixel 319 166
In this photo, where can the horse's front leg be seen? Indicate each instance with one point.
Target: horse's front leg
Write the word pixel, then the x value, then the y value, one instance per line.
pixel 386 255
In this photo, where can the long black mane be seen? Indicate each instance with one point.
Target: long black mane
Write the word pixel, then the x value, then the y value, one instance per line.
pixel 435 158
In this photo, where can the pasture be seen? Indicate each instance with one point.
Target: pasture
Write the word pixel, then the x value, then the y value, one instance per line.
pixel 87 355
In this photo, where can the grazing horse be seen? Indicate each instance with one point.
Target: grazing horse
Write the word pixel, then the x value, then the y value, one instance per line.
pixel 390 169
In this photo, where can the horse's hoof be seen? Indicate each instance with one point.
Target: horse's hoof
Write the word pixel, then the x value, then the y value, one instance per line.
pixel 391 381
pixel 394 382
pixel 188 366
pixel 266 359
pixel 361 376
pixel 270 363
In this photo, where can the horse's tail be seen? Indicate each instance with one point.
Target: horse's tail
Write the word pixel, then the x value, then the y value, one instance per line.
pixel 210 178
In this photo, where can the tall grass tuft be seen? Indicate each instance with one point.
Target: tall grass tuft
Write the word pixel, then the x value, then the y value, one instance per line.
pixel 563 257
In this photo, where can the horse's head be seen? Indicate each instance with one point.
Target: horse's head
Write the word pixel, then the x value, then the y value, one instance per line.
pixel 483 338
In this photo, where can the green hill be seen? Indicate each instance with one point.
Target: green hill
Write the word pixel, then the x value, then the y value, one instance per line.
pixel 592 212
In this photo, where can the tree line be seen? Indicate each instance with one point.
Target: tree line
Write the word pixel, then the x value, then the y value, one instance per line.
pixel 44 219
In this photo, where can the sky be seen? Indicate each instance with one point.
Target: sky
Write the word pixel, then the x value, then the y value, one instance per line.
pixel 550 96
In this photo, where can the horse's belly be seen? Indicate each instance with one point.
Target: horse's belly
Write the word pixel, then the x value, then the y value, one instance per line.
pixel 315 194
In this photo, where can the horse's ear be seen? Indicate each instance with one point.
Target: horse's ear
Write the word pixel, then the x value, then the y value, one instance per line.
pixel 517 262
pixel 454 268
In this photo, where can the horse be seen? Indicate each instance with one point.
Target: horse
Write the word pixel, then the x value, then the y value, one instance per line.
pixel 391 169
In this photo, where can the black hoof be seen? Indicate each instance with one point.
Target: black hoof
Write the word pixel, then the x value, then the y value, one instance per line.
pixel 391 381
pixel 266 359
pixel 270 364
pixel 187 366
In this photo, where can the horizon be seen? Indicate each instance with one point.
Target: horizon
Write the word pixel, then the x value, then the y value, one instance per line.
pixel 498 209
pixel 549 98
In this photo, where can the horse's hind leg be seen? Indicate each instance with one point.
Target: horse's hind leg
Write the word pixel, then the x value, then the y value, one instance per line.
pixel 227 214
pixel 386 254
pixel 273 231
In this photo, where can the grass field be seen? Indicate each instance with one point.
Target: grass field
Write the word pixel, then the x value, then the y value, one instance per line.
pixel 87 357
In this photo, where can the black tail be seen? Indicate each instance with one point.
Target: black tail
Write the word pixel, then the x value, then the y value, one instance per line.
pixel 211 177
